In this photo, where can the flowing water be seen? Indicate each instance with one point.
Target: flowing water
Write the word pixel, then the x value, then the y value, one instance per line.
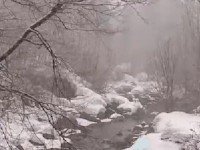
pixel 114 135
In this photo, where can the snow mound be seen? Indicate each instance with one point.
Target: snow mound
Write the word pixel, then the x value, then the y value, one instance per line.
pixel 83 91
pixel 153 142
pixel 130 107
pixel 175 131
pixel 94 110
pixel 89 102
pixel 179 122
pixel 31 132
pixel 115 98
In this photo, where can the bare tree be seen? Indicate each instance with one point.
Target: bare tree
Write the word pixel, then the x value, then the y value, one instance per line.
pixel 165 65
pixel 191 48
pixel 34 33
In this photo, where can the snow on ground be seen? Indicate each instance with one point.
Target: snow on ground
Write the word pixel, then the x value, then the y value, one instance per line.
pixel 93 104
pixel 119 92
pixel 86 101
pixel 28 131
pixel 153 142
pixel 84 122
pixel 124 105
pixel 174 131
pixel 138 85
pixel 177 121
pixel 94 109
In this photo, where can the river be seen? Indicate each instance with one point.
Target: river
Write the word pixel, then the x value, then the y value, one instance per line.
pixel 114 135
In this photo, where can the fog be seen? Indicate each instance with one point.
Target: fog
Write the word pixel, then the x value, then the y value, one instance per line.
pixel 144 27
pixel 100 74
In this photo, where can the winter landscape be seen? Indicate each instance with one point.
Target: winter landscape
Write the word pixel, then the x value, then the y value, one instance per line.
pixel 99 75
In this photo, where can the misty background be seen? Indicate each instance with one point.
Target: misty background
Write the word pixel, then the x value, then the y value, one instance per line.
pixel 144 28
pixel 99 74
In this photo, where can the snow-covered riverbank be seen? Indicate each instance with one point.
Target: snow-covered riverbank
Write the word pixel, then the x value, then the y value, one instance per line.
pixel 104 119
pixel 35 129
pixel 174 131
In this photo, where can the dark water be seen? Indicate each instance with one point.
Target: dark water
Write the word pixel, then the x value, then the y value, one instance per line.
pixel 114 135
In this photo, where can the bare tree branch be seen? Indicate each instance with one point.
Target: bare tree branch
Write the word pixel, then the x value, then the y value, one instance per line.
pixel 38 23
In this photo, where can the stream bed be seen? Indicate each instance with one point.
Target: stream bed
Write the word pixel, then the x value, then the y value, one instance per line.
pixel 114 135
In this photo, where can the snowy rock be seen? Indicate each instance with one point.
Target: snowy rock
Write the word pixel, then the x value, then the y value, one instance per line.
pixel 154 113
pixel 175 137
pixel 106 120
pixel 115 98
pixel 35 140
pixel 130 107
pixel 116 116
pixel 94 110
pixel 53 144
pixel 89 102
pixel 27 145
pixel 123 88
pixel 83 91
pixel 179 122
pixel 84 122
pixel 175 131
